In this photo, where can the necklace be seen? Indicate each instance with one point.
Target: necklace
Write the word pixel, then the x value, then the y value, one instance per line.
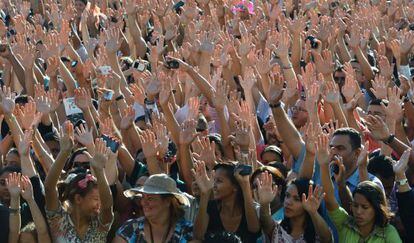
pixel 164 238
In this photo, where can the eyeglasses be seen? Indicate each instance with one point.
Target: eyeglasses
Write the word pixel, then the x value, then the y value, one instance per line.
pixel 339 80
pixel 84 165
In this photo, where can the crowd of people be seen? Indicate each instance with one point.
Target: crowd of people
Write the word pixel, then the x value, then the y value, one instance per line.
pixel 206 121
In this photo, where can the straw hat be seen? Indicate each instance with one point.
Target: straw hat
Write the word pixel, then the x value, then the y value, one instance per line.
pixel 159 184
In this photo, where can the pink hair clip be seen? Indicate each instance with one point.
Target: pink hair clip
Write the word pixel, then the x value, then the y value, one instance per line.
pixel 242 6
pixel 84 182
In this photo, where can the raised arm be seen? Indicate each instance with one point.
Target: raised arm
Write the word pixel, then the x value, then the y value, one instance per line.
pixel 266 193
pixel 405 194
pixel 187 136
pixel 66 145
pixel 287 130
pixel 135 31
pixel 149 147
pixel 323 159
pixel 24 148
pixel 253 225
pixel 220 104
pixel 70 81
pixel 13 186
pixel 307 168
pixel 205 184
pixel 311 204
pixel 39 220
pixel 98 162
pixel 379 131
pixel 201 82
pixel 17 66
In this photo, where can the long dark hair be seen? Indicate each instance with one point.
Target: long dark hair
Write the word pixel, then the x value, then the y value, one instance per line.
pixel 69 162
pixel 229 168
pixel 376 197
pixel 309 235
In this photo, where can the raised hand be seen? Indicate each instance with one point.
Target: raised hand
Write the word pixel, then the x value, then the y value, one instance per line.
pixel 55 101
pixel 379 87
pixel 204 181
pixel 297 25
pixel 263 63
pixel 324 63
pixel 165 93
pixel 377 127
pixel 282 49
pixel 106 127
pixel 52 66
pixel 265 191
pixel 220 96
pixel 308 76
pixel 340 176
pixel 246 43
pixel 322 148
pixel 28 116
pixel 394 109
pixel 363 156
pixel 386 69
pixel 312 202
pixel 149 143
pixel 407 42
pixel 82 98
pixel 311 137
pixel 324 29
pixel 208 42
pixel 24 143
pixel 241 136
pixel 7 100
pixel 207 152
pixel 101 155
pixel 153 84
pixel 276 88
pixel 84 135
pixel 26 188
pixel 13 184
pixel 188 132
pixel 312 97
pixel 354 38
pixel 43 104
pixel 193 108
pixel 28 56
pixel 332 94
pixel 162 140
pixel 127 118
pixel 66 139
pixel 249 79
pixel 112 40
pixel 350 87
pixel 401 166
pixel 138 92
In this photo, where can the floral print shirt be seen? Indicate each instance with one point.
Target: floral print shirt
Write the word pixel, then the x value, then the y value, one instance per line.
pixel 63 230
pixel 281 236
pixel 132 231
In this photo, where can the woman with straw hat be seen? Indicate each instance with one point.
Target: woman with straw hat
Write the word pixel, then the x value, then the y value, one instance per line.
pixel 163 220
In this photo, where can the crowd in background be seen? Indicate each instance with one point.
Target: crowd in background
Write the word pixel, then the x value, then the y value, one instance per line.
pixel 206 121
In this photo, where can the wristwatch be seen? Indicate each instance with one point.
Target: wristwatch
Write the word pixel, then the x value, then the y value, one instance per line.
pixel 119 97
pixel 389 139
pixel 402 182
pixel 277 105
